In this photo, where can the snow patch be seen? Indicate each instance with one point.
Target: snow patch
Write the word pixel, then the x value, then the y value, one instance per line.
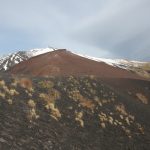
pixel 36 52
pixel 120 63
pixel 17 57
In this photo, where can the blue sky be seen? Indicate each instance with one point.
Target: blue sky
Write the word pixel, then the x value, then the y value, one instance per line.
pixel 101 28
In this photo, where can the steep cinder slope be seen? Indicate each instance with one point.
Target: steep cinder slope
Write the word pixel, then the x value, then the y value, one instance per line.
pixel 63 62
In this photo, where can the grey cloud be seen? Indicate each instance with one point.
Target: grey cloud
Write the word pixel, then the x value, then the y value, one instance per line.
pixel 123 29
pixel 106 28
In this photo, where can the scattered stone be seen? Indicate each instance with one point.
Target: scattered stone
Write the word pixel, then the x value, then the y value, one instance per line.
pixel 3 140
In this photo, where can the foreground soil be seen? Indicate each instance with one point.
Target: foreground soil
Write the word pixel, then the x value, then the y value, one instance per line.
pixel 74 113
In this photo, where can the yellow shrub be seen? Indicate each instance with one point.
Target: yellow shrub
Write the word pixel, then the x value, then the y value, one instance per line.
pixel 2 83
pixel 32 115
pixel 10 102
pixel 103 125
pixel 6 88
pixel 46 84
pixel 121 108
pixel 25 83
pixel 55 113
pixel 142 98
pixel 76 96
pixel 14 83
pixel 50 97
pixel 31 103
pixel 2 95
pixel 78 118
pixel 13 92
pixel 32 110
pixel 49 100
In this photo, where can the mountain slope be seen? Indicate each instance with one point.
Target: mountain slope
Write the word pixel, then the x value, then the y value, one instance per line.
pixel 63 62
pixel 12 59
pixel 121 63
pixel 15 58
pixel 140 68
pixel 72 109
pixel 72 113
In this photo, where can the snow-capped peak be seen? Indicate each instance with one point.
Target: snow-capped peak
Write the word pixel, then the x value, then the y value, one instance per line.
pixel 17 57
pixel 39 51
pixel 11 59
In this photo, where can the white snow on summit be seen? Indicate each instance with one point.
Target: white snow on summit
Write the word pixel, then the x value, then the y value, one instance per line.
pixel 39 51
pixel 15 58
pixel 12 59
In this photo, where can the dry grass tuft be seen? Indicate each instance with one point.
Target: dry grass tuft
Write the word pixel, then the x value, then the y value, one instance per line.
pixel 46 84
pixel 2 95
pixel 10 102
pixel 32 110
pixel 121 108
pixel 14 82
pixel 6 89
pixel 84 102
pixel 79 118
pixel 31 103
pixel 50 97
pixel 49 103
pixel 13 92
pixel 55 113
pixel 2 83
pixel 32 115
pixel 103 125
pixel 25 83
pixel 142 98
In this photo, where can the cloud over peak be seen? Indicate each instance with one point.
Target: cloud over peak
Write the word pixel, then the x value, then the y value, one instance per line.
pixel 108 28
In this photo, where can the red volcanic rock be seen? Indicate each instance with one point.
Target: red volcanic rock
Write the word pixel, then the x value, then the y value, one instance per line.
pixel 63 62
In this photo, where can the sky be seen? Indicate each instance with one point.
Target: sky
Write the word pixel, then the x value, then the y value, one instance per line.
pixel 100 28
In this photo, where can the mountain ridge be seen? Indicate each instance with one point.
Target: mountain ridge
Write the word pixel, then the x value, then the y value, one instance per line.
pixel 63 62
pixel 46 103
pixel 140 68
